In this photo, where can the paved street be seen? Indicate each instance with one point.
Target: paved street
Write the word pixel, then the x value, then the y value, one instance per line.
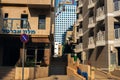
pixel 100 75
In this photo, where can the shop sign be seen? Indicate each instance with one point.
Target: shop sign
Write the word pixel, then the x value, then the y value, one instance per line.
pixel 18 31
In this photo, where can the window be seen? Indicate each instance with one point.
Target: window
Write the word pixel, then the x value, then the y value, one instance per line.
pixel 41 24
pixel 6 15
pixel 7 23
pixel 24 19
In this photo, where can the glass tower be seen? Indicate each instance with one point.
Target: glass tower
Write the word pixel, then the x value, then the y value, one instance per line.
pixel 64 20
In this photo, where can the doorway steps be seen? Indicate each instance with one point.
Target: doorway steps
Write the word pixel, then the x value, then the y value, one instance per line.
pixel 55 77
pixel 7 73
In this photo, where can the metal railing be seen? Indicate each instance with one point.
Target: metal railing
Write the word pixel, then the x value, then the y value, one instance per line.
pixel 79 47
pixel 16 26
pixel 80 33
pixel 80 17
pixel 117 5
pixel 80 3
pixel 100 38
pixel 91 20
pixel 100 11
pixel 91 40
pixel 91 43
pixel 91 3
pixel 15 23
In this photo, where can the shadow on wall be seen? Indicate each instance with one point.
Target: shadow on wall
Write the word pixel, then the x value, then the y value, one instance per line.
pixel 99 51
pixel 34 12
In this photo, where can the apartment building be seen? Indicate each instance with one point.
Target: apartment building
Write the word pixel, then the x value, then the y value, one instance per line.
pixel 96 33
pixel 30 17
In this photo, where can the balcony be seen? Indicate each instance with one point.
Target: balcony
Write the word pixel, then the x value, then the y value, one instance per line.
pixel 80 3
pixel 116 8
pixel 29 2
pixel 16 26
pixel 78 48
pixel 100 14
pixel 77 23
pixel 77 35
pixel 91 44
pixel 117 42
pixel 100 38
pixel 91 22
pixel 91 4
pixel 80 18
pixel 117 38
pixel 78 10
pixel 80 33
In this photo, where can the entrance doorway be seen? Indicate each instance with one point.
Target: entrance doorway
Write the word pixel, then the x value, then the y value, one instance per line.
pixel 118 56
pixel 11 51
pixel 34 56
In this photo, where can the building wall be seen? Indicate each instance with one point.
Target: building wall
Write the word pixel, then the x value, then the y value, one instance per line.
pixel 98 16
pixel 64 19
pixel 15 12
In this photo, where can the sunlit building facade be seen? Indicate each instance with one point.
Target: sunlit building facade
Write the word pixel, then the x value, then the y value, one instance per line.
pixel 96 33
pixel 30 17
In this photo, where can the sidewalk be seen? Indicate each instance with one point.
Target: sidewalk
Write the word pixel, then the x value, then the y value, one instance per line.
pixel 55 77
pixel 103 75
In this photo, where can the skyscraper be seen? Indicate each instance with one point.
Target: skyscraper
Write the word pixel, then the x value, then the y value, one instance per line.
pixel 64 19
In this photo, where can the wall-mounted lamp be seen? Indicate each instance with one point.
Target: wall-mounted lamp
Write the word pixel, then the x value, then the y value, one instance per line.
pixel 112 49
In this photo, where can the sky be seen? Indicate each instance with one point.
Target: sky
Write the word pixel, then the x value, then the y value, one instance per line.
pixel 57 1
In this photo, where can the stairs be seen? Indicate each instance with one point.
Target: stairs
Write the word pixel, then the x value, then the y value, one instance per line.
pixel 55 77
pixel 7 73
pixel 58 66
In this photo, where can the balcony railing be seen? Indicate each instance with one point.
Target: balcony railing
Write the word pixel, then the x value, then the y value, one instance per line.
pixel 80 3
pixel 91 4
pixel 80 18
pixel 100 13
pixel 29 2
pixel 100 38
pixel 91 22
pixel 77 23
pixel 77 35
pixel 117 5
pixel 80 33
pixel 16 26
pixel 117 38
pixel 116 8
pixel 91 43
pixel 78 10
pixel 79 47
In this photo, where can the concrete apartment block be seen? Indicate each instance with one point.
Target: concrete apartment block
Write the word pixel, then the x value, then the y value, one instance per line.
pixel 99 22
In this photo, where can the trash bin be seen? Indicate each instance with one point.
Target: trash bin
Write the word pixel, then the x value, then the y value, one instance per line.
pixel 85 75
pixel 75 57
pixel 79 71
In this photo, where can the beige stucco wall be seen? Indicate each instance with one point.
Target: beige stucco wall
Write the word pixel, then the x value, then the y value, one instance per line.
pixel 73 65
pixel 73 75
pixel 31 73
pixel 47 56
pixel 33 13
pixel 47 2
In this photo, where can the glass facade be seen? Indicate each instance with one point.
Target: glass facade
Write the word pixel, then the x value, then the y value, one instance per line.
pixel 64 20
